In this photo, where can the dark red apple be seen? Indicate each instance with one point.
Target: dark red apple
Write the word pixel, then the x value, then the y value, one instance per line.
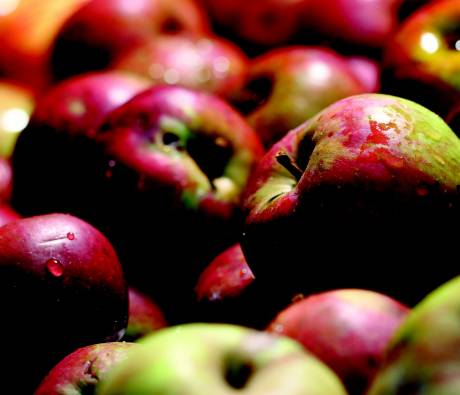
pixel 80 372
pixel 176 162
pixel 353 198
pixel 206 63
pixel 422 60
pixel 101 30
pixel 62 287
pixel 348 329
pixel 286 86
pixel 144 316
pixel 54 157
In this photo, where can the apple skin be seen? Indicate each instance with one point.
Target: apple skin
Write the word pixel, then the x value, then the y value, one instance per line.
pixel 28 29
pixel 101 30
pixel 6 179
pixel 219 359
pixel 176 162
pixel 421 62
pixel 286 86
pixel 422 357
pixel 7 214
pixel 59 141
pixel 348 329
pixel 212 64
pixel 80 372
pixel 144 316
pixel 16 105
pixel 62 287
pixel 358 186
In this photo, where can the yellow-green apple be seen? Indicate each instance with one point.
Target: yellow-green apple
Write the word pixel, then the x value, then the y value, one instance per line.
pixel 422 61
pixel 423 355
pixel 144 316
pixel 362 186
pixel 286 86
pixel 348 329
pixel 55 154
pixel 16 105
pixel 80 372
pixel 176 162
pixel 101 30
pixel 28 29
pixel 208 63
pixel 219 359
pixel 62 287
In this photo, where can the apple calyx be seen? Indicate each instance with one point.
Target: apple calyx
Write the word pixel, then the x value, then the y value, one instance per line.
pixel 285 160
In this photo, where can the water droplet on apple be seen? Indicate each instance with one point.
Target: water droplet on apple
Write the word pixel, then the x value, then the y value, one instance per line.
pixel 55 267
pixel 278 328
pixel 71 236
pixel 297 298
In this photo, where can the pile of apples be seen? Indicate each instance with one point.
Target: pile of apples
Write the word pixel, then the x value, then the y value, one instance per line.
pixel 223 196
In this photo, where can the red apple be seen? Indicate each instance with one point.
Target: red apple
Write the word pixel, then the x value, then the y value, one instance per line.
pixel 7 214
pixel 207 63
pixel 176 162
pixel 348 329
pixel 343 200
pixel 62 287
pixel 81 371
pixel 6 179
pixel 422 61
pixel 101 30
pixel 144 316
pixel 59 142
pixel 286 86
pixel 28 29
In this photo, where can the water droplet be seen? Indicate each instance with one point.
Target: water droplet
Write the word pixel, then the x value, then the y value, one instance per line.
pixel 55 267
pixel 71 236
pixel 243 272
pixel 278 328
pixel 297 298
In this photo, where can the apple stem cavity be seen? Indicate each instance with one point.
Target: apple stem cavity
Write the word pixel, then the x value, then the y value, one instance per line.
pixel 285 160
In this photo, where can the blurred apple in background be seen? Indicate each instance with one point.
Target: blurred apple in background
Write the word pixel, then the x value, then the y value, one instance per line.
pixel 348 199
pixel 28 29
pixel 197 359
pixel 56 152
pixel 6 179
pixel 348 329
pixel 422 59
pixel 7 214
pixel 144 316
pixel 101 30
pixel 175 164
pixel 80 372
pixel 62 287
pixel 207 63
pixel 16 105
pixel 287 86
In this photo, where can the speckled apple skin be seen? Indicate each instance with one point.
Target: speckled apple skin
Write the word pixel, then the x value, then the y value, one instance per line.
pixel 377 193
pixel 194 359
pixel 423 354
pixel 172 208
pixel 81 371
pixel 59 142
pixel 348 329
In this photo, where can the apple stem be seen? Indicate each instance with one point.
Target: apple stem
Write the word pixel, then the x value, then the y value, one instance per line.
pixel 285 160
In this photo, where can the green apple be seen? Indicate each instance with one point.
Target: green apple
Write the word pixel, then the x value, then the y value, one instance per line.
pixel 219 359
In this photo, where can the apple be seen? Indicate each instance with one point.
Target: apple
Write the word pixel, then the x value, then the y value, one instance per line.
pixel 144 316
pixel 176 162
pixel 28 29
pixel 423 354
pixel 16 105
pixel 101 30
pixel 206 63
pixel 421 60
pixel 59 142
pixel 81 371
pixel 6 179
pixel 367 70
pixel 348 329
pixel 62 287
pixel 351 197
pixel 7 214
pixel 219 359
pixel 286 86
